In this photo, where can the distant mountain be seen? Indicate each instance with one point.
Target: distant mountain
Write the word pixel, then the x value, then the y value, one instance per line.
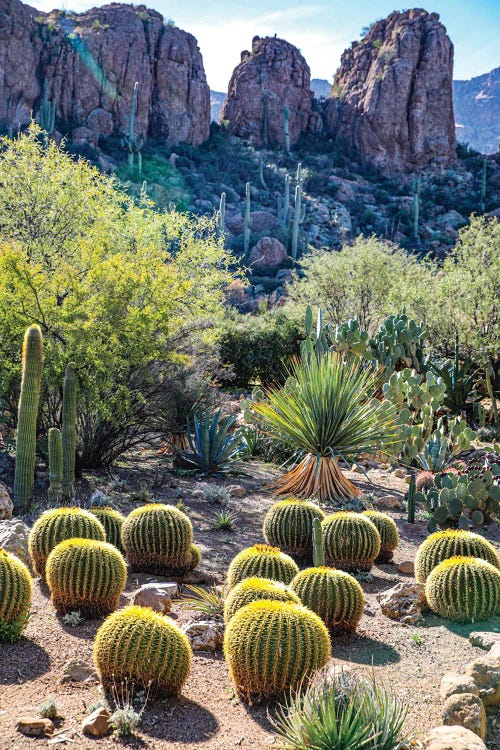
pixel 477 111
pixel 320 87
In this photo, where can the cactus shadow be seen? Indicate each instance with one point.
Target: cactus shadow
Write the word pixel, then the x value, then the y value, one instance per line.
pixel 464 629
pixel 181 720
pixel 22 661
pixel 361 649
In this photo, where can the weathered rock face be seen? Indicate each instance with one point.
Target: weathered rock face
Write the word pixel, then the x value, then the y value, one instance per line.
pixel 391 99
pixel 274 75
pixel 91 62
pixel 477 111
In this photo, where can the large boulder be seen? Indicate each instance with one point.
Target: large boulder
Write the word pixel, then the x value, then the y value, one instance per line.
pixel 453 738
pixel 14 538
pixel 391 101
pixel 485 671
pixel 270 77
pixel 267 256
pixel 466 710
pixel 6 504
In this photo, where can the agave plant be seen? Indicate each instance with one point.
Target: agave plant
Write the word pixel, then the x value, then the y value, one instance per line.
pixel 326 411
pixel 208 601
pixel 213 447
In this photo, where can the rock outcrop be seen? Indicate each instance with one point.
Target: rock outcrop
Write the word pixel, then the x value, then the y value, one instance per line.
pixel 274 75
pixel 391 102
pixel 89 63
pixel 477 111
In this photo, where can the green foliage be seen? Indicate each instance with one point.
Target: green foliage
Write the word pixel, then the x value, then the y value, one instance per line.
pixel 272 647
pixel 262 561
pixel 458 379
pixel 146 649
pixel 56 525
pixel 225 519
pixel 55 466
pixel 464 589
pixel 208 601
pixel 289 525
pixel 50 709
pixel 443 545
pixel 159 539
pixel 15 596
pixel 213 446
pixel 32 364
pixel 397 344
pixel 334 595
pixel 69 432
pixel 389 535
pixel 87 576
pixel 256 589
pixel 112 522
pixel 351 541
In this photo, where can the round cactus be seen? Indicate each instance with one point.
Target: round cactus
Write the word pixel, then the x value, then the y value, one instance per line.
pixel 288 525
pixel 272 647
pixel 262 561
pixel 56 525
pixel 144 649
pixel 15 596
pixel 451 543
pixel 256 589
pixel 334 595
pixel 464 589
pixel 389 535
pixel 351 541
pixel 85 576
pixel 159 539
pixel 112 521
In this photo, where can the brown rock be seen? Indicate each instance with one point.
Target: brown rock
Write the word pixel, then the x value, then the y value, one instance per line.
pixel 484 639
pixel 404 602
pixel 453 738
pixel 205 635
pixel 387 502
pixel 6 504
pixel 407 567
pixel 156 596
pixel 96 724
pixel 77 670
pixel 130 43
pixel 485 671
pixel 391 99
pixel 454 683
pixel 275 72
pixel 269 254
pixel 14 538
pixel 466 710
pixel 32 726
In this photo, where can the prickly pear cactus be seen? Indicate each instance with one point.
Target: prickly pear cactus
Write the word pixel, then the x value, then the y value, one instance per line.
pixel 349 337
pixel 398 344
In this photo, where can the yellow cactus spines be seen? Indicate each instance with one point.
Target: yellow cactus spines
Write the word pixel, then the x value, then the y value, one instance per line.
pixel 272 647
pixel 288 525
pixel 389 535
pixel 451 543
pixel 335 596
pixel 15 596
pixel 85 576
pixel 112 521
pixel 56 525
pixel 257 589
pixel 195 557
pixel 262 561
pixel 159 539
pixel 464 589
pixel 351 541
pixel 143 648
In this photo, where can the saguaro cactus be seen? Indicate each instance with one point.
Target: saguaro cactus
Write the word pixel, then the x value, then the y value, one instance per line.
pixel 265 120
pixel 55 465
pixel 32 364
pixel 482 204
pixel 286 128
pixel 416 206
pixel 221 215
pixel 133 142
pixel 47 114
pixel 69 432
pixel 248 220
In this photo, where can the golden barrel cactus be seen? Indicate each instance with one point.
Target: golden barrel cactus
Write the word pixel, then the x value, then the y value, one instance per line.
pixel 464 589
pixel 451 543
pixel 112 521
pixel 389 535
pixel 256 589
pixel 262 561
pixel 351 541
pixel 15 596
pixel 335 596
pixel 288 525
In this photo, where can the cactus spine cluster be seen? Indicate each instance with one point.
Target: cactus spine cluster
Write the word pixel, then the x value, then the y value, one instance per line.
pixel 451 543
pixel 55 466
pixel 144 649
pixel 159 539
pixel 69 432
pixel 464 589
pixel 56 525
pixel 15 596
pixel 351 541
pixel 85 576
pixel 32 364
pixel 389 535
pixel 272 647
pixel 262 561
pixel 288 525
pixel 256 589
pixel 112 522
pixel 334 595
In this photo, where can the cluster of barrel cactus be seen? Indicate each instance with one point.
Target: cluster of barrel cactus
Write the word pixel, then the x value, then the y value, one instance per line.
pixel 464 589
pixel 112 521
pixel 15 596
pixel 443 545
pixel 288 525
pixel 263 561
pixel 351 541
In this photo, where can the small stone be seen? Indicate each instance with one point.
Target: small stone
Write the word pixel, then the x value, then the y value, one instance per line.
pixel 404 602
pixel 156 596
pixel 495 651
pixel 485 671
pixel 6 504
pixel 77 670
pixel 400 473
pixel 484 639
pixel 406 567
pixel 205 635
pixel 14 538
pixel 467 711
pixel 32 726
pixel 357 469
pixel 454 683
pixel 387 502
pixel 97 723
pixel 237 491
pixel 453 738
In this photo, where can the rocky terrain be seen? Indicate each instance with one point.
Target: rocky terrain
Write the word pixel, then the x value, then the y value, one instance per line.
pixel 477 111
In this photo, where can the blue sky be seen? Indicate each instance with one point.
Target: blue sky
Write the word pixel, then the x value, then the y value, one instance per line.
pixel 321 29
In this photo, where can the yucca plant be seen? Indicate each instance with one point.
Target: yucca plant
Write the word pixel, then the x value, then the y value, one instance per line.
pixel 213 447
pixel 326 411
pixel 208 601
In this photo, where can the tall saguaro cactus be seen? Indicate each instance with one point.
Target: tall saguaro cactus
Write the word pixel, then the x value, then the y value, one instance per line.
pixel 248 220
pixel 55 465
pixel 69 432
pixel 32 364
pixel 286 127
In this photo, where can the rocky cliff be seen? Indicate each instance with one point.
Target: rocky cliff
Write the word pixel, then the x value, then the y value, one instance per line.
pixel 391 101
pixel 88 64
pixel 274 75
pixel 477 111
